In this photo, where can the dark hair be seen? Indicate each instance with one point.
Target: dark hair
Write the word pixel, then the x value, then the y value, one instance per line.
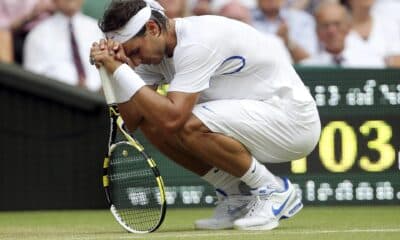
pixel 118 13
pixel 345 3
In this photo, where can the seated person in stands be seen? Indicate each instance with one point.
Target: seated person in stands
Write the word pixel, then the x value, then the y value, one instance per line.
pixel 59 46
pixel 174 8
pixel 295 27
pixel 200 7
pixel 333 27
pixel 17 18
pixel 235 10
pixel 375 36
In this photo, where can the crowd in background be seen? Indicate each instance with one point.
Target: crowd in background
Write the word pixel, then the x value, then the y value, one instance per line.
pixel 53 37
pixel 50 37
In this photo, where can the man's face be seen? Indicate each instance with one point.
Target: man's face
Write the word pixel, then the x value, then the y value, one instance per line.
pixel 270 5
pixel 236 11
pixel 68 7
pixel 174 8
pixel 361 4
pixel 147 49
pixel 332 28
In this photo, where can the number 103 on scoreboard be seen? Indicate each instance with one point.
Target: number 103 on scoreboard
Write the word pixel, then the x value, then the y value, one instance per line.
pixel 354 145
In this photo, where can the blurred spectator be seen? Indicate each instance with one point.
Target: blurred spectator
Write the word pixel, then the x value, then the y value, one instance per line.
pixel 174 8
pixel 298 4
pixel 17 18
pixel 6 53
pixel 216 5
pixel 200 7
pixel 59 47
pixel 295 27
pixel 387 8
pixel 333 26
pixel 377 36
pixel 236 10
pixel 306 5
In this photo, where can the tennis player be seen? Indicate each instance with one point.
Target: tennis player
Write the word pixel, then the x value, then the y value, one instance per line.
pixel 234 103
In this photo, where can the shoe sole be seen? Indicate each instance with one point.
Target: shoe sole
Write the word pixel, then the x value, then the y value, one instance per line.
pixel 219 225
pixel 294 208
pixel 268 226
pixel 213 227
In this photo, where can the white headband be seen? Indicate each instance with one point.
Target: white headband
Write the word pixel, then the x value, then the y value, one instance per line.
pixel 136 23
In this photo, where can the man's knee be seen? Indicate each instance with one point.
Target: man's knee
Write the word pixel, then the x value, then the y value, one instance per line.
pixel 190 133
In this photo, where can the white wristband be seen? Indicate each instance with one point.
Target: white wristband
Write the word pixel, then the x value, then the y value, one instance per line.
pixel 126 83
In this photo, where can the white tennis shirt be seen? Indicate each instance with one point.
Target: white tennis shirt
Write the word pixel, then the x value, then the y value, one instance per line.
pixel 226 59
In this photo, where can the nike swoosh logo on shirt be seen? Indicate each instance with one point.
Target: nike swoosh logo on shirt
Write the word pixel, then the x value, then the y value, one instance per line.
pixel 207 108
pixel 277 211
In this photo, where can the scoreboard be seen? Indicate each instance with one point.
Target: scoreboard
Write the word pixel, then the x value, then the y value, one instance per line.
pixel 357 160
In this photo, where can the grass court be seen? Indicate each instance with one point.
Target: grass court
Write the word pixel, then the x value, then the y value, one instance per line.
pixel 327 223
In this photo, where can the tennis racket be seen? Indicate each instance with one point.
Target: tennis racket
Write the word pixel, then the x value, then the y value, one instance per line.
pixel 132 182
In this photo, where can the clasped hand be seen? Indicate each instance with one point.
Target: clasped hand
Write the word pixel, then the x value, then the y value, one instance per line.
pixel 109 54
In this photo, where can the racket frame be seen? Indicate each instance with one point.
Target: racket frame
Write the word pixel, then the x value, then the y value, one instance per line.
pixel 116 122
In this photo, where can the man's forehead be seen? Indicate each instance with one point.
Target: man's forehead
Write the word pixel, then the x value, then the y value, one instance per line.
pixel 331 13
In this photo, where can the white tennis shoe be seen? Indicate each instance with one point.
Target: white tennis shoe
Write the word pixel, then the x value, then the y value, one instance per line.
pixel 228 209
pixel 265 210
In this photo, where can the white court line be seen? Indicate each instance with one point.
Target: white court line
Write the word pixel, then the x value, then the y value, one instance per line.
pixel 168 235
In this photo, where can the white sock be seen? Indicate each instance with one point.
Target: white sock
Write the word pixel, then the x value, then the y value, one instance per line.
pixel 259 178
pixel 222 180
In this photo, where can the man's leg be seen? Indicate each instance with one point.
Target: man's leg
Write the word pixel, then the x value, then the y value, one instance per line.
pixel 227 185
pixel 198 149
pixel 172 147
pixel 225 153
pixel 175 151
pixel 216 149
pixel 169 146
pixel 231 204
pixel 230 155
pixel 267 206
pixel 260 126
pixel 271 133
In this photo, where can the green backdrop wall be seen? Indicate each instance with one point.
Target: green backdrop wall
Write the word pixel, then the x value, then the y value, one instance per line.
pixel 53 138
pixel 95 8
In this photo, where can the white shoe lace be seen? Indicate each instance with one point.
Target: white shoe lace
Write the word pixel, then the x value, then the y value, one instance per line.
pixel 232 206
pixel 257 203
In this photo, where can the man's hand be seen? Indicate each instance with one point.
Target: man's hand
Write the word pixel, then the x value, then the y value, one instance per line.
pixel 119 51
pixel 107 53
pixel 283 32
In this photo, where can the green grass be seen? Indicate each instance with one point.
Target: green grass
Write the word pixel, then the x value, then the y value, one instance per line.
pixel 375 223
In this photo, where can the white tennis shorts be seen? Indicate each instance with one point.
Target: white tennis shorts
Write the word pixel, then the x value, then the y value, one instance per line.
pixel 274 132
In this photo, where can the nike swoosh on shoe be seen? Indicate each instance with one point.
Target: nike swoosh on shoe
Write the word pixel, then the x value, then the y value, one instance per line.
pixel 277 211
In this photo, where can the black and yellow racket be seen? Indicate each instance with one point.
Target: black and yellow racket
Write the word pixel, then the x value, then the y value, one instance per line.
pixel 133 184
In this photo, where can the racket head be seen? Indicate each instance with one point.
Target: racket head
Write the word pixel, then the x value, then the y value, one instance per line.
pixel 133 185
pixel 134 188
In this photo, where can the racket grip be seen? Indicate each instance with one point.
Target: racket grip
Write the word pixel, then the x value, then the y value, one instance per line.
pixel 108 90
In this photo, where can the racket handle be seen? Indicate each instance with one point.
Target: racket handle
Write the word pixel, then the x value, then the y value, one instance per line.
pixel 108 90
